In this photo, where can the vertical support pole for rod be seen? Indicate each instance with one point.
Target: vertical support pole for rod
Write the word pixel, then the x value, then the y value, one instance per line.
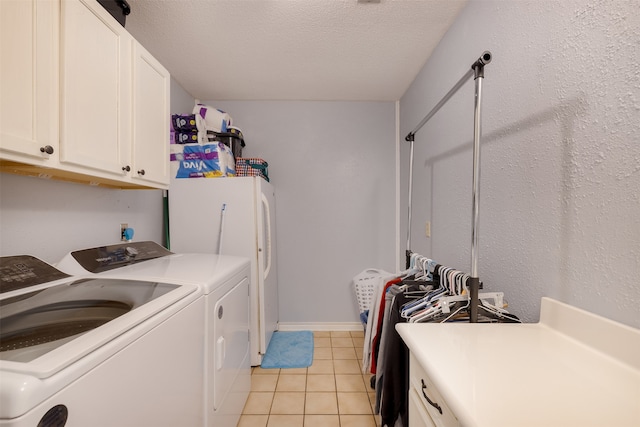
pixel 474 283
pixel 409 138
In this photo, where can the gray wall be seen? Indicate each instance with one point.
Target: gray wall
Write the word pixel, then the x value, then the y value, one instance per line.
pixel 333 167
pixel 560 176
pixel 181 101
pixel 50 218
pixel 560 208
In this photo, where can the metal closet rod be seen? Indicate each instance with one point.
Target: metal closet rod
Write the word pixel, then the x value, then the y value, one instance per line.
pixel 479 64
pixel 477 70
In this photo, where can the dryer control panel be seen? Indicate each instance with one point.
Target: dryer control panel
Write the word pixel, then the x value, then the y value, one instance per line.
pixel 103 258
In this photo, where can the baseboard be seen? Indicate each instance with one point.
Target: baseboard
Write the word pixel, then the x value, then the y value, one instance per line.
pixel 320 326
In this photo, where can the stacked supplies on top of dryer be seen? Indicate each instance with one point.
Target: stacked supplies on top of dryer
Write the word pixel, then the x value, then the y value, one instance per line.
pixel 232 138
pixel 252 166
pixel 201 125
pixel 183 129
pixel 195 153
pixel 211 119
pixel 204 144
pixel 215 124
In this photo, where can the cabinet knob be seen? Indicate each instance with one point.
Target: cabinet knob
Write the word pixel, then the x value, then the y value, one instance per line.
pixel 141 172
pixel 46 149
pixel 126 168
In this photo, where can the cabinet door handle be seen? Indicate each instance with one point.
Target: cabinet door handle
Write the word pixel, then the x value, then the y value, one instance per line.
pixel 126 168
pixel 141 172
pixel 435 405
pixel 46 149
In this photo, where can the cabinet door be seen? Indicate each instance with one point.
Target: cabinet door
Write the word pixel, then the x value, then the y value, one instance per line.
pixel 28 80
pixel 150 118
pixel 95 92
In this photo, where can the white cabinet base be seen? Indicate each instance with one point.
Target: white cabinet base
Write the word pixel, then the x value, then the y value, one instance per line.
pixel 573 368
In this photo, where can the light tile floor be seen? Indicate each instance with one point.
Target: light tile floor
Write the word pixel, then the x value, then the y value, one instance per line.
pixel 332 392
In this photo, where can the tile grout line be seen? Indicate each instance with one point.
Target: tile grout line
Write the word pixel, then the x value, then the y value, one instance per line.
pixel 339 414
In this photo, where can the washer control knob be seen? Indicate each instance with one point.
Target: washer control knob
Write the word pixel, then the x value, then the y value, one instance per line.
pixel 131 251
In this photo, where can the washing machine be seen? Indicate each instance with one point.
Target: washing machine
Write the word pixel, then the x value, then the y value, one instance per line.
pixel 224 283
pixel 82 351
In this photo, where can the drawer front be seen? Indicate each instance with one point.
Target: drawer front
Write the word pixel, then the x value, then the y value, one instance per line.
pixel 418 416
pixel 429 397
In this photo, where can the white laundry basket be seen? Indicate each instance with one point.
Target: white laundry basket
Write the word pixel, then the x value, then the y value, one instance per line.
pixel 365 285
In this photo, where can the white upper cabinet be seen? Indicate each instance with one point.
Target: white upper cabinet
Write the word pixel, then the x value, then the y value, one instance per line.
pixel 150 147
pixel 82 100
pixel 95 89
pixel 29 81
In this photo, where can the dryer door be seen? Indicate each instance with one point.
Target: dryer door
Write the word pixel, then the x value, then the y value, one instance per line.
pixel 229 346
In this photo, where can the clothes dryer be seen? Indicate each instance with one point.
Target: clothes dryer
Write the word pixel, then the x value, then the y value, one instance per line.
pixel 224 283
pixel 80 352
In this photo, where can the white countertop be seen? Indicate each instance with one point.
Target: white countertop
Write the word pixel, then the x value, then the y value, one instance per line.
pixel 571 369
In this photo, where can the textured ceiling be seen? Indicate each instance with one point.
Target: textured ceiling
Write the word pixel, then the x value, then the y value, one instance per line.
pixel 292 49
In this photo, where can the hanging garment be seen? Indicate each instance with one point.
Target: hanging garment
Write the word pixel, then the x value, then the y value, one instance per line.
pixel 376 282
pixel 394 402
pixel 376 339
pixel 381 363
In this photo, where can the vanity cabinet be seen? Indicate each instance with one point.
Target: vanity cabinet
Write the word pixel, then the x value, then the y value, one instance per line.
pixel 107 99
pixel 572 368
pixel 427 408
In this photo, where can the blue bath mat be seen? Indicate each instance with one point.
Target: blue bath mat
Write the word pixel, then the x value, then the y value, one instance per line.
pixel 290 349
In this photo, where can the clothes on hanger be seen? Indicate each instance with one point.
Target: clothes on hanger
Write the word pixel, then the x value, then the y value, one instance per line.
pixel 395 376
pixel 376 339
pixel 435 293
pixel 368 285
pixel 384 337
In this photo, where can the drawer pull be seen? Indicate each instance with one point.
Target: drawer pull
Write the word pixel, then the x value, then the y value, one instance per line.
pixel 435 405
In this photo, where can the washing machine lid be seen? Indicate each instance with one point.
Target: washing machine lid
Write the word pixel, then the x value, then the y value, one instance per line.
pixel 47 327
pixel 208 271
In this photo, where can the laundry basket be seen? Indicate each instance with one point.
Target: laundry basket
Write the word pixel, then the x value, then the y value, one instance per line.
pixel 365 286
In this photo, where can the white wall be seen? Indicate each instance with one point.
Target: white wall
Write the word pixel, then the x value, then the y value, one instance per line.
pixel 332 164
pixel 50 218
pixel 560 176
